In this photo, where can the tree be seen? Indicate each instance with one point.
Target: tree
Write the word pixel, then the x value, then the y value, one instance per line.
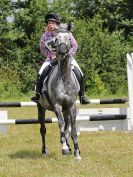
pixel 102 28
pixel 20 38
pixel 115 15
pixel 101 56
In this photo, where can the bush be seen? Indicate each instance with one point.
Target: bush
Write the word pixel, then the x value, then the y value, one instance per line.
pixel 101 56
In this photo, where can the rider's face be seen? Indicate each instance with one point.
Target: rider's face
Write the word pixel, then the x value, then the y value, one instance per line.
pixel 51 25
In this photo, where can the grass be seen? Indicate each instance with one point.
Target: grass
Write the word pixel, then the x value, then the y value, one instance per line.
pixel 22 97
pixel 104 154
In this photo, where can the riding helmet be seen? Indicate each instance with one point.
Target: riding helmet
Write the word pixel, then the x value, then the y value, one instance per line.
pixel 52 17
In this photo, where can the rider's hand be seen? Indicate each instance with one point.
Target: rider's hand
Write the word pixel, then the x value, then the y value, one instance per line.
pixel 53 56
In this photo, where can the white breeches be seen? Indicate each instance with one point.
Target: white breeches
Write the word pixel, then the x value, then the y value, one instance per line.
pixel 47 62
pixel 44 65
pixel 74 63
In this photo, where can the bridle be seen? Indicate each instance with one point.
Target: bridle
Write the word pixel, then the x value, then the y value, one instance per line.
pixel 62 46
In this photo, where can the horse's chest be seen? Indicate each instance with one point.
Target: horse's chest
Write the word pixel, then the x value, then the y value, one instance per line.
pixel 65 88
pixel 62 89
pixel 64 92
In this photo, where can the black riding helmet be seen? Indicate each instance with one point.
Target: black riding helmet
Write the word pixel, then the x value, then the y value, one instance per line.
pixel 52 17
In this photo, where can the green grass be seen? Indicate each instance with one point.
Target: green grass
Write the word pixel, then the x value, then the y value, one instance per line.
pixel 104 154
pixel 13 96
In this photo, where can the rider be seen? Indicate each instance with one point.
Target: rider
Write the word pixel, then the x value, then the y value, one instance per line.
pixel 52 21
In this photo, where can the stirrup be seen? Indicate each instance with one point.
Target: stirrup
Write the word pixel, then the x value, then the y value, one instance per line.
pixel 36 98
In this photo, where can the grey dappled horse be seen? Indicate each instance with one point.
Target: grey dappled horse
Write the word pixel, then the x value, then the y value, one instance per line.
pixel 62 89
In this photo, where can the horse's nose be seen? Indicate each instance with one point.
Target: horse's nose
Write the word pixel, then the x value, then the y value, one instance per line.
pixel 62 49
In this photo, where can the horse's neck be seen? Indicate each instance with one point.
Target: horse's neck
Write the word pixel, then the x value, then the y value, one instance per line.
pixel 65 69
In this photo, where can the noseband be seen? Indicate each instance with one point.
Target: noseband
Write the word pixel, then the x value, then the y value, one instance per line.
pixel 62 49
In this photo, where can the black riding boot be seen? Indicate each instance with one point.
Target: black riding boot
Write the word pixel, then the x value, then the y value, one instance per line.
pixel 82 98
pixel 39 83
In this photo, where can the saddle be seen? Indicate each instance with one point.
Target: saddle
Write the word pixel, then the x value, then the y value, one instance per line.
pixel 45 82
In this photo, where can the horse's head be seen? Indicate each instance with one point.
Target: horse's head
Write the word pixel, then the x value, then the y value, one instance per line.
pixel 63 40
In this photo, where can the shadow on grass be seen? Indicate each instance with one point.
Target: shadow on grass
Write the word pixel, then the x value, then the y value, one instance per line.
pixel 25 154
pixel 31 154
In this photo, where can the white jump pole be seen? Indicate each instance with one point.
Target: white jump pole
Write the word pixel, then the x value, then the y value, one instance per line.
pixel 95 117
pixel 130 86
pixel 92 101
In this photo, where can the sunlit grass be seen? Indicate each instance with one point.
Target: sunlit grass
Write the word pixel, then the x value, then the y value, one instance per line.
pixel 104 154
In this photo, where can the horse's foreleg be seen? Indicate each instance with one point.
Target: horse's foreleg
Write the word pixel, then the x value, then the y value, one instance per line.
pixel 67 128
pixel 74 132
pixel 58 110
pixel 41 117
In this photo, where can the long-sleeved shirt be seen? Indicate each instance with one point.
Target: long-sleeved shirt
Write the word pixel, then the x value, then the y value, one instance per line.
pixel 49 35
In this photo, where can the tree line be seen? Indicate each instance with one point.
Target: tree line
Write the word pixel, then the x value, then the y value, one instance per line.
pixel 102 28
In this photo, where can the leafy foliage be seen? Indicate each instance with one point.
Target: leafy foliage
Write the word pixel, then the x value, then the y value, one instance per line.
pixel 103 30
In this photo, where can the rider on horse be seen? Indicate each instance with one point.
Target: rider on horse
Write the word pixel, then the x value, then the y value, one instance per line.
pixel 52 21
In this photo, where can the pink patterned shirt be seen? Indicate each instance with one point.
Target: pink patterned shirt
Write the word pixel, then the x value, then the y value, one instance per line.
pixel 49 35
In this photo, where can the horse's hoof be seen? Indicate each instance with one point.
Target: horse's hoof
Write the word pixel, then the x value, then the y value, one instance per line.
pixel 44 153
pixel 66 152
pixel 77 154
pixel 78 157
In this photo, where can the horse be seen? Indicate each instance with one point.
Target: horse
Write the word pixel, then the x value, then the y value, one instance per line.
pixel 62 89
